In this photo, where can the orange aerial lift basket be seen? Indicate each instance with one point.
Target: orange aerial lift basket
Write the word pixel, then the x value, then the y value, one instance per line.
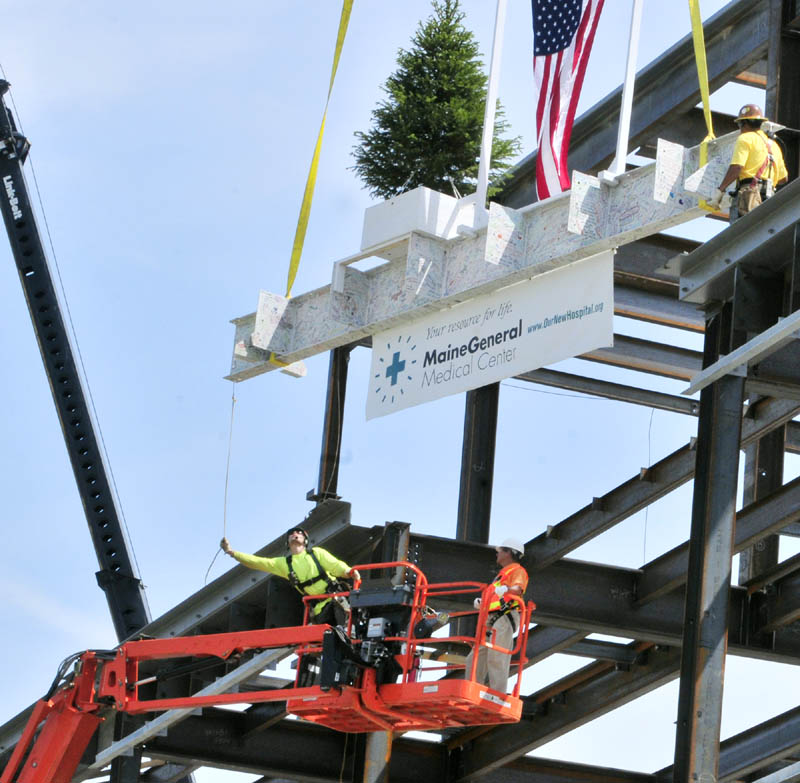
pixel 399 690
pixel 384 671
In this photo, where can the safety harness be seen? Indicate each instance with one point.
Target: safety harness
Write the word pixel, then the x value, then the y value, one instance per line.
pixel 322 574
pixel 758 182
pixel 504 607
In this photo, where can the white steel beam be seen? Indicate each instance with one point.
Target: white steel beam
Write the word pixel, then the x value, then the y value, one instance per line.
pixel 790 774
pixel 735 363
pixel 165 720
pixel 517 245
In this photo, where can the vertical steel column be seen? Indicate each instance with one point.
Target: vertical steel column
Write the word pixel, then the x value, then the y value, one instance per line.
pixel 127 768
pixel 783 72
pixel 705 635
pixel 477 476
pixel 330 452
pixel 477 464
pixel 377 756
pixel 763 475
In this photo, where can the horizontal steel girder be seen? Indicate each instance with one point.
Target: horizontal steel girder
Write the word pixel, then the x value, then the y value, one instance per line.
pixel 434 273
pixel 229 740
pixel 594 598
pixel 612 391
pixel 282 752
pixel 301 751
pixel 754 522
pixel 641 490
pixel 750 751
pixel 764 237
pixel 639 396
pixel 633 353
pixel 593 695
pixel 586 700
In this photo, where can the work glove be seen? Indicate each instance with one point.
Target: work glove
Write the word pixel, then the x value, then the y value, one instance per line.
pixel 716 200
pixel 354 575
pixel 477 603
pixel 501 590
pixel 225 546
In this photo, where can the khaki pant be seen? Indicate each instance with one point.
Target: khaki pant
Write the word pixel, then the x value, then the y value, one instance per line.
pixel 492 668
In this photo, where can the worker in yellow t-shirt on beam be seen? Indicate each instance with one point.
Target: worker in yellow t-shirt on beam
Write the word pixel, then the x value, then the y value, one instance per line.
pixel 757 165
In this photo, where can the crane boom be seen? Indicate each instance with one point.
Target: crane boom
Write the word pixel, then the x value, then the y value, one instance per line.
pixel 117 576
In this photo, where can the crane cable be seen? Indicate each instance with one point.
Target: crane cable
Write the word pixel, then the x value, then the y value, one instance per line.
pixel 227 477
pixel 299 238
pixel 305 208
pixel 702 76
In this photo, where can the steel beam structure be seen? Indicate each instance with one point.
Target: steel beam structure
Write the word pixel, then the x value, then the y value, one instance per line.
pixel 612 391
pixel 222 739
pixel 633 353
pixel 560 711
pixel 645 604
pixel 329 461
pixel 477 464
pixel 755 748
pixel 705 636
pixel 771 514
pixel 608 602
pixel 650 484
pixel 763 475
pixel 211 739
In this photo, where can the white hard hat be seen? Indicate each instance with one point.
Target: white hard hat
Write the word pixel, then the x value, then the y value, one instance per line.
pixel 513 543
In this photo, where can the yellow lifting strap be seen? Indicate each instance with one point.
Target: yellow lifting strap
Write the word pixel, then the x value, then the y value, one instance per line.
pixel 305 208
pixel 702 77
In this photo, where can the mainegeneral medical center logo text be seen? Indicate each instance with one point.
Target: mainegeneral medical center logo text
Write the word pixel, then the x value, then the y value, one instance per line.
pixel 410 363
pixel 443 365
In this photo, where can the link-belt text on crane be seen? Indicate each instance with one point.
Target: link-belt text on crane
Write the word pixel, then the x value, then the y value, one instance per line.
pixel 13 201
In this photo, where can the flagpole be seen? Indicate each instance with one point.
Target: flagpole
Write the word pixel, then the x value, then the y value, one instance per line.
pixel 488 117
pixel 618 164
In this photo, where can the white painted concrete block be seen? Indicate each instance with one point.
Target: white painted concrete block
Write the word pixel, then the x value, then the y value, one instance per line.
pixel 422 210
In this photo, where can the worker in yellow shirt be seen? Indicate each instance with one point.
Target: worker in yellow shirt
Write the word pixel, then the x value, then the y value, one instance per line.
pixel 311 570
pixel 757 165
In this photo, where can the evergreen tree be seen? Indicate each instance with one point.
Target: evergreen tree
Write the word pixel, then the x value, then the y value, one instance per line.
pixel 428 130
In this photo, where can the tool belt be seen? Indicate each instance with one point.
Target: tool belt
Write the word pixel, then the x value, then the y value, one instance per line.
pixel 764 186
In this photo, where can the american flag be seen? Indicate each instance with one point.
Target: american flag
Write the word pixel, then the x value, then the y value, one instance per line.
pixel 563 32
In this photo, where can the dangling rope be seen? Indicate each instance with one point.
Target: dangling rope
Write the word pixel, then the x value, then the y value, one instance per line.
pixel 305 208
pixel 702 76
pixel 227 476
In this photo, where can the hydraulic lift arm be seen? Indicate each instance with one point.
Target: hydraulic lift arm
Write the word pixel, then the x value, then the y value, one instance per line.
pixel 363 678
pixel 117 575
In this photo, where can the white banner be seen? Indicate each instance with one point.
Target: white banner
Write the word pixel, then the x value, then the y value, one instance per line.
pixel 562 313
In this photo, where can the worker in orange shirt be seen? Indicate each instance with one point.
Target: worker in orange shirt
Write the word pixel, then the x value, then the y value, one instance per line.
pixel 757 165
pixel 504 612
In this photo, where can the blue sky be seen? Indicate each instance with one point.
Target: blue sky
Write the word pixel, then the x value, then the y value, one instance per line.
pixel 171 144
